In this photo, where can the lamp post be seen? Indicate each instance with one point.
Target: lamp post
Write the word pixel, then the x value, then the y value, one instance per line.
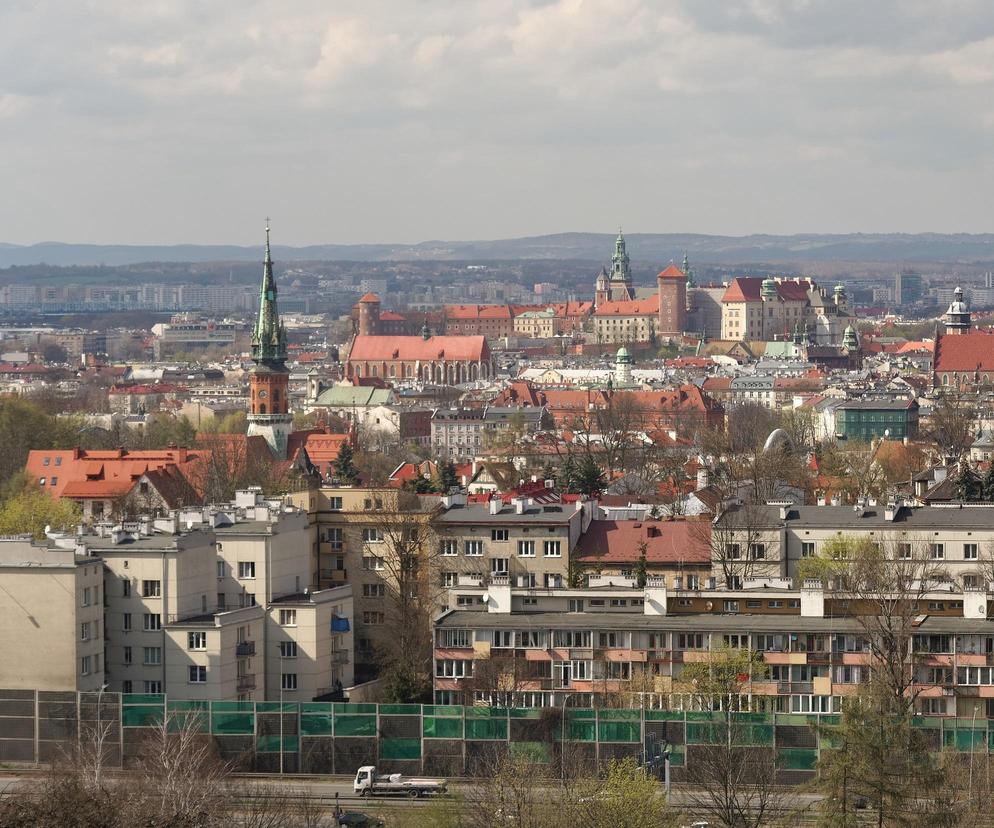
pixel 280 645
pixel 562 740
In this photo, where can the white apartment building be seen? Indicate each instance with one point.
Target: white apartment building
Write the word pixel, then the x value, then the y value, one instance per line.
pixel 51 617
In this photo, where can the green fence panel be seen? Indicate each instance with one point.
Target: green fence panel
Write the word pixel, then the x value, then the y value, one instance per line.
pixel 232 707
pixel 316 724
pixel 141 715
pixel 678 757
pixel 611 715
pixel 582 713
pixel 704 716
pixel 400 748
pixel 441 727
pixel 486 712
pixel 355 725
pixel 441 710
pixel 232 724
pixel 177 706
pixel 704 733
pixel 540 752
pixel 964 739
pixel 317 707
pixel 584 730
pixel 526 712
pixel 486 729
pixel 797 759
pixel 619 732
pixel 271 743
pixel 341 707
pixel 664 715
pixel 142 698
pixel 275 707
pixel 400 709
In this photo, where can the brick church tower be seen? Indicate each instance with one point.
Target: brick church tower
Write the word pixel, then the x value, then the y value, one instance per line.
pixel 269 404
pixel 672 301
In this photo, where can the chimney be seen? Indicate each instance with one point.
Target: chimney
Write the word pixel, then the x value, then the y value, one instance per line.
pixel 783 512
pixel 519 505
pixel 495 505
pixel 702 479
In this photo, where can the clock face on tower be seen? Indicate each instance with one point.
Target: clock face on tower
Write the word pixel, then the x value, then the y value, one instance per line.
pixel 263 394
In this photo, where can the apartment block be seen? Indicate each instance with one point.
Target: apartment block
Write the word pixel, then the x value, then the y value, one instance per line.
pixel 52 617
pixel 508 646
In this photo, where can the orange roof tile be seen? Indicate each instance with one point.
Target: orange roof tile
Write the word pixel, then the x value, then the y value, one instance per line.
pixel 667 541
pixel 629 307
pixel 449 348
pixel 972 351
pixel 672 272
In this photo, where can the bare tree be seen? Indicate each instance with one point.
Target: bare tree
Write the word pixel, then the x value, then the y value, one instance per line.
pixel 738 538
pixel 951 426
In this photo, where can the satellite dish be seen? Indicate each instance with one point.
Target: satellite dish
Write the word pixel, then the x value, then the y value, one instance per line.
pixel 486 597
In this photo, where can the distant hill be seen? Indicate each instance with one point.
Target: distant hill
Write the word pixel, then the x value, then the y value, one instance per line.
pixel 643 247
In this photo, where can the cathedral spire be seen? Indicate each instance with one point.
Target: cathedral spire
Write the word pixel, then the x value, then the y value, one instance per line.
pixel 268 336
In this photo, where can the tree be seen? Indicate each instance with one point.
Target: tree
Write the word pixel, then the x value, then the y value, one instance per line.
pixel 53 352
pixel 33 510
pixel 736 539
pixel 967 486
pixel 987 484
pixel 641 565
pixel 345 469
pixel 951 426
pixel 626 795
pixel 733 775
pixel 566 479
pixel 447 477
pixel 589 477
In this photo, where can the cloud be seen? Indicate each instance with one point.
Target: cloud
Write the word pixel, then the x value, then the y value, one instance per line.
pixel 185 121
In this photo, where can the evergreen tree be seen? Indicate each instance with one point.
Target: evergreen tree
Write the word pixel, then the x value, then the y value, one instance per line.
pixel 345 469
pixel 641 566
pixel 447 477
pixel 589 477
pixel 987 484
pixel 967 486
pixel 566 480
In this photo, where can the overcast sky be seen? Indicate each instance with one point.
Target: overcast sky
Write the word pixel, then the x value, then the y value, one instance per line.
pixel 162 121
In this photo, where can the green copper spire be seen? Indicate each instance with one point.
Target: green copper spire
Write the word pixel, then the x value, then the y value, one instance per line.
pixel 620 263
pixel 268 336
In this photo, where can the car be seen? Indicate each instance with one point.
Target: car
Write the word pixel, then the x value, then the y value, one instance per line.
pixel 357 819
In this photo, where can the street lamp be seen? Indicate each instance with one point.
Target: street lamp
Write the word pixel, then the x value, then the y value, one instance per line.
pixel 562 740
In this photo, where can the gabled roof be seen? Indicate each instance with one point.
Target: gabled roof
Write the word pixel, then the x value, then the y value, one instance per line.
pixel 629 307
pixel 747 289
pixel 973 351
pixel 667 541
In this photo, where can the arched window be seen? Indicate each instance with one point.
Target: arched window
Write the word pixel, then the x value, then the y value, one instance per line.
pixel 262 408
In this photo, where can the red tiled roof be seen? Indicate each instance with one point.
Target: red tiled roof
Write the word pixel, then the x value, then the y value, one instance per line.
pixel 672 272
pixel 668 541
pixel 747 289
pixel 972 351
pixel 629 307
pixel 914 347
pixel 369 297
pixel 477 312
pixel 718 384
pixel 449 348
pixel 392 316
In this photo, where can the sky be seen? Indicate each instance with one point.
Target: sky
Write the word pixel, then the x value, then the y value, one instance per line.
pixel 169 121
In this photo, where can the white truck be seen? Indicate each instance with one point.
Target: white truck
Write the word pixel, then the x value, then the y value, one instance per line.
pixel 369 783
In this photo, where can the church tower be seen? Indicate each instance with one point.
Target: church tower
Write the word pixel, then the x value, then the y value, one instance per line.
pixel 958 315
pixel 621 272
pixel 269 406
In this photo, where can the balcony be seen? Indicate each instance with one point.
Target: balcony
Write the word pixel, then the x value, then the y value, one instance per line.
pixel 339 656
pixel 246 683
pixel 245 648
pixel 331 547
pixel 334 576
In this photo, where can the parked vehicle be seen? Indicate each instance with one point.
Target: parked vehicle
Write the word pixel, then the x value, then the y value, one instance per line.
pixel 357 819
pixel 369 783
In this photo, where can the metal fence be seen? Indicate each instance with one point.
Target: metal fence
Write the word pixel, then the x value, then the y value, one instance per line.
pixel 333 738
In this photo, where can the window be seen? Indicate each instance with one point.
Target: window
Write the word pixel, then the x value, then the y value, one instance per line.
pixel 450 579
pixel 529 639
pixel 288 618
pixel 904 551
pixel 196 641
pixel 87 596
pixel 288 649
pixel 84 666
pixel 153 688
pixel 619 602
pixel 529 602
pixel 151 589
pixel 152 655
pixel 372 562
pixel 552 549
pixel 198 674
pixel 732 551
pixel 736 641
pixel 731 606
pixel 499 534
pixel 126 621
pixel 127 686
pixel 450 547
pixel 335 504
pixel 937 551
pixel 373 590
pixel 526 549
pixel 288 681
pixel 453 668
pixel 152 621
pixel 372 535
pixel 127 655
pixel 754 604
pixel 498 566
pixel 693 582
pixel 691 641
pixel 575 605
pixel 473 547
pixel 125 587
pixel 757 551
pixel 246 569
pixel 455 638
pixel 503 639
pixel 84 631
pixel 970 551
pixel 373 618
pixel 807 549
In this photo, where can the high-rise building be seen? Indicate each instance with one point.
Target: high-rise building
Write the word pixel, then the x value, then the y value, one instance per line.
pixel 269 410
pixel 907 287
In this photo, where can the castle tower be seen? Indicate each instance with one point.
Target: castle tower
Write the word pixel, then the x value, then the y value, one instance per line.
pixel 621 271
pixel 958 315
pixel 672 286
pixel 602 290
pixel 623 367
pixel 369 315
pixel 269 406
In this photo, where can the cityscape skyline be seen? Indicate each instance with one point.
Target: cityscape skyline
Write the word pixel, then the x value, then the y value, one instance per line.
pixel 364 124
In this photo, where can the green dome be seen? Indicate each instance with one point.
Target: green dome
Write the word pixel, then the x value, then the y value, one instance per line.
pixel 623 355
